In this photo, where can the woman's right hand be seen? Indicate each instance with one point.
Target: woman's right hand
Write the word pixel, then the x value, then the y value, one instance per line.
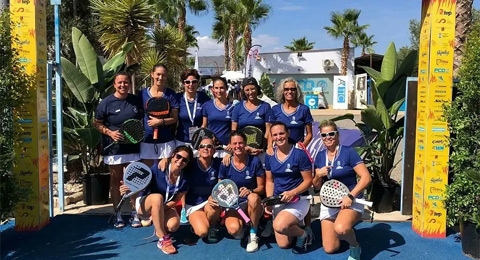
pixel 226 159
pixel 162 164
pixel 123 189
pixel 213 203
pixel 323 172
pixel 116 136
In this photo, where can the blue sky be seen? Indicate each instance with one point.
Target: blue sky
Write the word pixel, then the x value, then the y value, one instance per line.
pixel 293 19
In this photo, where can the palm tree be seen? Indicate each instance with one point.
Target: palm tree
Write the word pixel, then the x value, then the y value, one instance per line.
pixel 463 23
pixel 345 25
pixel 220 33
pixel 253 13
pixel 364 41
pixel 175 11
pixel 301 44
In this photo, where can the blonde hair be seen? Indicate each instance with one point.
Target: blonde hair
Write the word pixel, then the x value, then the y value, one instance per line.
pixel 281 98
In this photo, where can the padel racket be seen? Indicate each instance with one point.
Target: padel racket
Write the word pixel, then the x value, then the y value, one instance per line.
pixel 332 193
pixel 276 200
pixel 200 134
pixel 255 137
pixel 132 130
pixel 159 108
pixel 137 176
pixel 226 194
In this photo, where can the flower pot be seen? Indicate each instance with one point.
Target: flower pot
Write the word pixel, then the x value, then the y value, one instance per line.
pixel 470 239
pixel 385 198
pixel 96 188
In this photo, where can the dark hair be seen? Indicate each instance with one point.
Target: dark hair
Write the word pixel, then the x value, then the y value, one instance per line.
pixel 160 65
pixel 189 72
pixel 259 90
pixel 279 123
pixel 215 79
pixel 185 148
pixel 326 123
pixel 238 133
pixel 121 73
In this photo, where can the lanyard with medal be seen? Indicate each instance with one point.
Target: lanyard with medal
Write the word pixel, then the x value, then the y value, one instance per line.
pixel 193 128
pixel 167 199
pixel 327 163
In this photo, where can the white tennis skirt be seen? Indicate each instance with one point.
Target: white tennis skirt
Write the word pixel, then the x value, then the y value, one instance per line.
pixel 147 150
pixel 121 158
pixel 331 213
pixel 299 209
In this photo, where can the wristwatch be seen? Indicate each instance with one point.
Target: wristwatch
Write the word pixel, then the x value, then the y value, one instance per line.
pixel 350 196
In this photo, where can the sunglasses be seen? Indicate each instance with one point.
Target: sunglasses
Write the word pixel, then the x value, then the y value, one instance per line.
pixel 178 157
pixel 209 146
pixel 190 81
pixel 324 135
pixel 290 89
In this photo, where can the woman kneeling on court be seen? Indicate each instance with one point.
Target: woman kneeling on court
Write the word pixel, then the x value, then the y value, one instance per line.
pixel 247 173
pixel 341 163
pixel 289 174
pixel 159 198
pixel 202 212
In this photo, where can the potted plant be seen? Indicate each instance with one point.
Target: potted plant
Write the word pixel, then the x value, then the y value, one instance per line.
pixel 88 84
pixel 381 126
pixel 462 199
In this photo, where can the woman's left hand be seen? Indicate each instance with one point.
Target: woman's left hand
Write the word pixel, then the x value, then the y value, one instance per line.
pixel 255 151
pixel 153 121
pixel 287 196
pixel 243 192
pixel 346 202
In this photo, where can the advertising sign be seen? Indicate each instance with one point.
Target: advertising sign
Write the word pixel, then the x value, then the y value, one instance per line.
pixel 340 92
pixel 360 91
pixel 311 100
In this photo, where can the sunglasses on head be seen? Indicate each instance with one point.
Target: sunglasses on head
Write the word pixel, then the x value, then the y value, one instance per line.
pixel 290 89
pixel 178 157
pixel 193 81
pixel 324 135
pixel 209 146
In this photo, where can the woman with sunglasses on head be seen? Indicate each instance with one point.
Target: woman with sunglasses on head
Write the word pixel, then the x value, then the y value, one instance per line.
pixel 252 112
pixel 157 201
pixel 341 163
pixel 202 212
pixel 247 173
pixel 190 107
pixel 288 174
pixel 217 114
pixel 293 112
pixel 151 149
pixel 108 121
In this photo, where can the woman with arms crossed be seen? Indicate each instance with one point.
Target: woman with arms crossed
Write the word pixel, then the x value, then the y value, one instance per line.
pixel 247 173
pixel 159 198
pixel 289 174
pixel 109 117
pixel 341 163
pixel 165 143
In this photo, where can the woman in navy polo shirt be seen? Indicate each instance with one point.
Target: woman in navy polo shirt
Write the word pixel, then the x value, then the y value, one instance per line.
pixel 341 163
pixel 293 112
pixel 190 107
pixel 165 143
pixel 252 112
pixel 247 173
pixel 159 198
pixel 217 114
pixel 289 174
pixel 109 117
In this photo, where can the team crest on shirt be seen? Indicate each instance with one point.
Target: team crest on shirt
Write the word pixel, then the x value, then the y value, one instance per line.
pixel 212 176
pixel 135 110
pixel 293 122
pixel 288 168
pixel 228 114
pixel 248 175
pixel 258 116
pixel 339 166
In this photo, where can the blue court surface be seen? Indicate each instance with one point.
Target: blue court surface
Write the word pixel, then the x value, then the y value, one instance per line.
pixel 89 237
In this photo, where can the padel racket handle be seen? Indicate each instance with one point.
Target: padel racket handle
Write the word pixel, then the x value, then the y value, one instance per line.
pixel 243 215
pixel 155 133
pixel 363 202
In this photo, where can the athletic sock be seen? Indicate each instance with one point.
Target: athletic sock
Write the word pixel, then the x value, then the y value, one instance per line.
pixel 253 230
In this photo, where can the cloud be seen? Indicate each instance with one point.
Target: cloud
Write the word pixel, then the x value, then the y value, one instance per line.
pixel 207 47
pixel 292 8
pixel 268 42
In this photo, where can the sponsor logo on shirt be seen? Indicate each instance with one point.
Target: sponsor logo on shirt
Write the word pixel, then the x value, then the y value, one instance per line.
pixel 339 166
pixel 248 175
pixel 293 122
pixel 258 116
pixel 212 176
pixel 288 168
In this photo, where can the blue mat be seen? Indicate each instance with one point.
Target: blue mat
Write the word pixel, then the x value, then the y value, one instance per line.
pixel 89 237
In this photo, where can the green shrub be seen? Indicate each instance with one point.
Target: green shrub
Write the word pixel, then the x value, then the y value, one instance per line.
pixel 267 87
pixel 462 196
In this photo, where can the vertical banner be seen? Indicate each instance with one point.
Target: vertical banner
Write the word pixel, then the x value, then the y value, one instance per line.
pixel 340 92
pixel 360 91
pixel 252 57
pixel 311 100
pixel 434 89
pixel 31 152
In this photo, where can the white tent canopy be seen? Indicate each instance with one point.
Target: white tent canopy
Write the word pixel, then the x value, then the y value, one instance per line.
pixel 233 75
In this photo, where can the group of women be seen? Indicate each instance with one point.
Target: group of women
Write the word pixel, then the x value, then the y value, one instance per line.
pixel 183 174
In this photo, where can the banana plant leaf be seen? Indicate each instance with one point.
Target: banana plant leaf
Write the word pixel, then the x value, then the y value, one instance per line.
pixel 87 58
pixel 89 136
pixel 80 85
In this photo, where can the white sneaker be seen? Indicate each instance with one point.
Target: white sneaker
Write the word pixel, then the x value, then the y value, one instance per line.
pixel 252 244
